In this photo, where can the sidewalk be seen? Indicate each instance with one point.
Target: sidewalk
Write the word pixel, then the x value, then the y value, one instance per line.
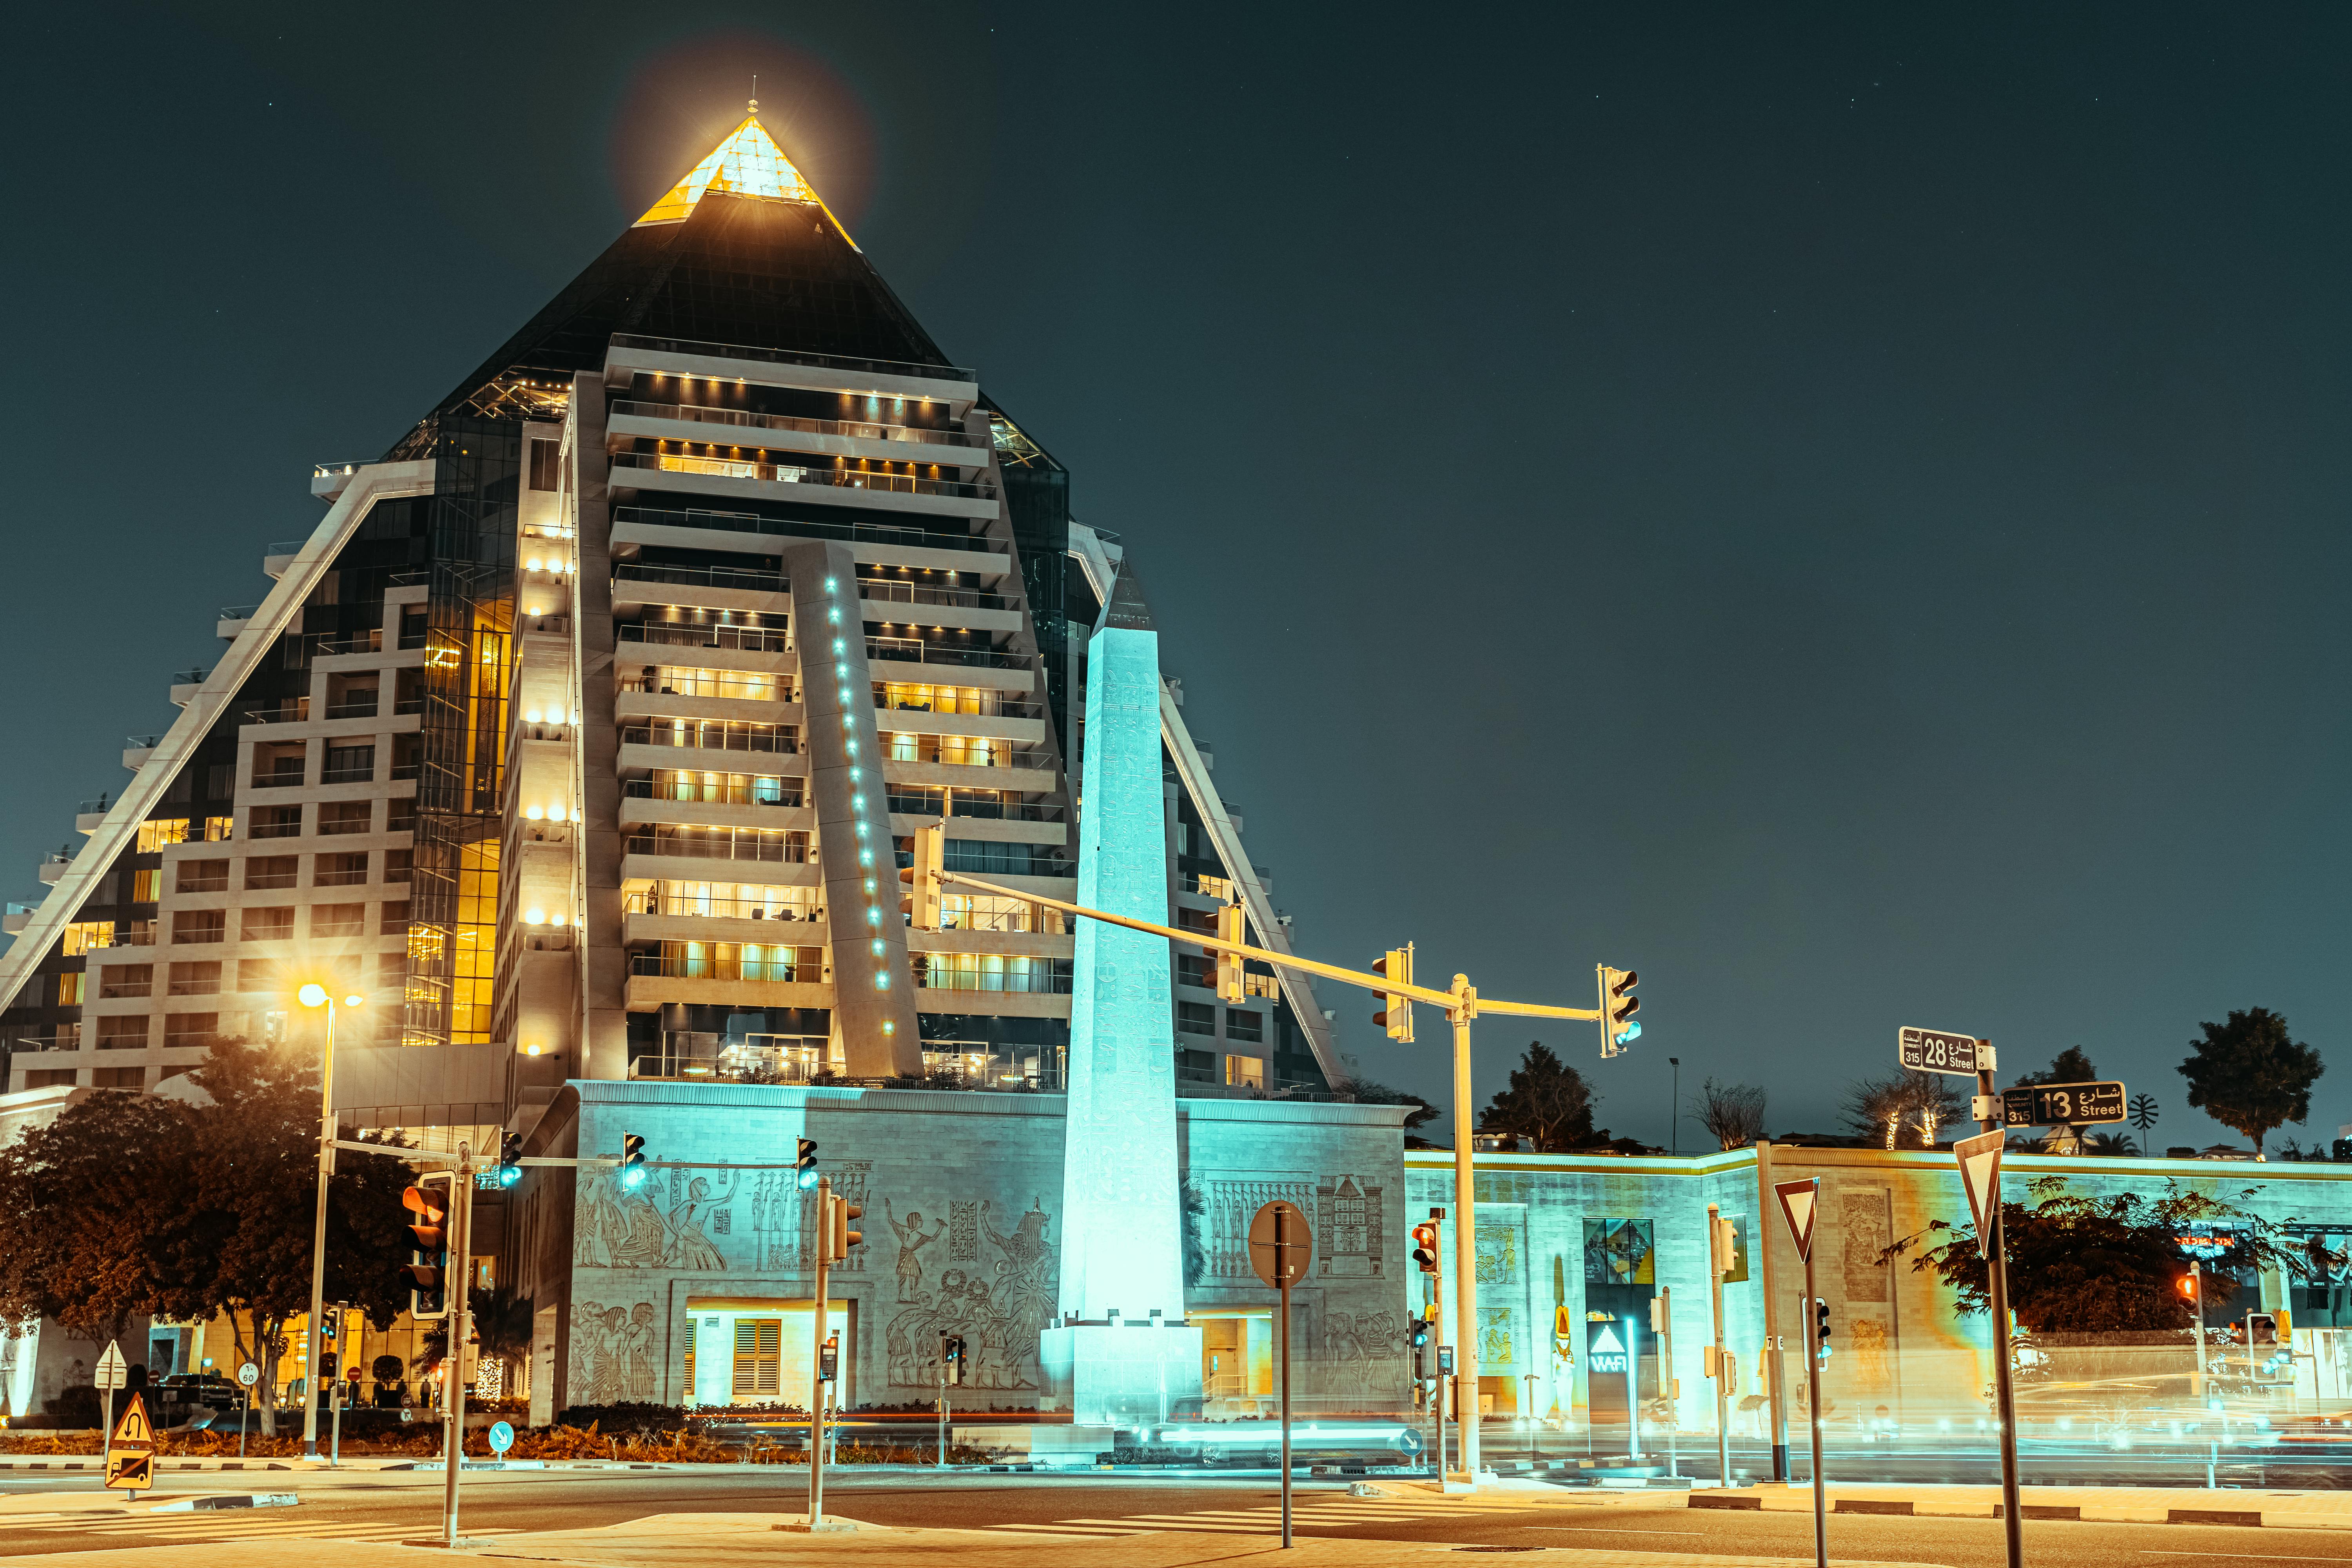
pixel 2279 1509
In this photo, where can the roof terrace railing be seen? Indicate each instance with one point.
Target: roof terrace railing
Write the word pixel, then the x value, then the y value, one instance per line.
pixel 787 356
pixel 859 429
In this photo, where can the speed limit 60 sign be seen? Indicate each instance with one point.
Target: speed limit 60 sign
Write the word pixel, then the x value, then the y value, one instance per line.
pixel 2061 1104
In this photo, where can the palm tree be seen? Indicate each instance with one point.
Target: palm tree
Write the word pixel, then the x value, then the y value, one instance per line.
pixel 2109 1143
pixel 502 1329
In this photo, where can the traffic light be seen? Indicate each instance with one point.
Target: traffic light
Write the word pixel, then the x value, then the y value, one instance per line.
pixel 1230 928
pixel 1397 1016
pixel 633 1161
pixel 923 877
pixel 2262 1331
pixel 1822 1327
pixel 1619 1028
pixel 828 1367
pixel 428 1202
pixel 330 1324
pixel 1726 1246
pixel 951 1358
pixel 2186 1285
pixel 842 1235
pixel 1424 1246
pixel 804 1163
pixel 509 1160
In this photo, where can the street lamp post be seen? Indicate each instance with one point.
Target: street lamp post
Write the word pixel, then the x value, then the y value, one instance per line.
pixel 314 1349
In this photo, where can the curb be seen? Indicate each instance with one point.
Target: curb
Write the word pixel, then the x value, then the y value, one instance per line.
pixel 160 1465
pixel 2085 1513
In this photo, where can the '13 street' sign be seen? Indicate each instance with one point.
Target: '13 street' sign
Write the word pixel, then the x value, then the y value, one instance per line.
pixel 2061 1104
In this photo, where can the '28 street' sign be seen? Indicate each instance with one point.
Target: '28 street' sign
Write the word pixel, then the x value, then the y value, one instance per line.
pixel 1932 1050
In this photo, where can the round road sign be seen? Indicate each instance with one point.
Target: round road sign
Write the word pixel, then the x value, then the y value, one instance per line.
pixel 248 1375
pixel 1280 1244
pixel 501 1438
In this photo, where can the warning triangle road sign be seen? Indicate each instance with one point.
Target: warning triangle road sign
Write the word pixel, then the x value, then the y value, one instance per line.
pixel 1605 1342
pixel 1798 1204
pixel 1980 1158
pixel 134 1428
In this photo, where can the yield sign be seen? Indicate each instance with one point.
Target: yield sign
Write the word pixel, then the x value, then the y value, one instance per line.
pixel 1799 1202
pixel 134 1428
pixel 1980 1158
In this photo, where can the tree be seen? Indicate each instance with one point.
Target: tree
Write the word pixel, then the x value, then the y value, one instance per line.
pixel 253 1171
pixel 2249 1076
pixel 1547 1103
pixel 2079 1264
pixel 2070 1066
pixel 501 1322
pixel 1903 1110
pixel 1367 1092
pixel 2109 1143
pixel 97 1216
pixel 1733 1112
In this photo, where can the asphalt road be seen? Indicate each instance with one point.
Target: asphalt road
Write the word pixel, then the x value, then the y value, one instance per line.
pixel 392 1507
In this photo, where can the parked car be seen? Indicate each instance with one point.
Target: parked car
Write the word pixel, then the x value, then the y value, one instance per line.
pixel 206 1388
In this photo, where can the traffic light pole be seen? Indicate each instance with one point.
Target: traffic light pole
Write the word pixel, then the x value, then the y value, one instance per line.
pixel 453 1358
pixel 817 1356
pixel 313 1341
pixel 1813 1409
pixel 1715 1265
pixel 1462 1004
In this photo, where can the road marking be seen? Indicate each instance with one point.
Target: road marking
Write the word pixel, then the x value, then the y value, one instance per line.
pixel 2241 1556
pixel 1604 1529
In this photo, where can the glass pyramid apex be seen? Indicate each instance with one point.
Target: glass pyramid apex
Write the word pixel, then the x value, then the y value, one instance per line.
pixel 748 162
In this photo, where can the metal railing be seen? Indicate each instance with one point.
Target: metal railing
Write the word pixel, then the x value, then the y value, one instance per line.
pixel 286 546
pixel 1035 977
pixel 797 474
pixel 142 743
pixel 294 712
pixel 355 706
pixel 927 802
pixel 975 754
pixel 741 577
pixel 858 429
pixel 911 650
pixel 732 685
pixel 892 591
pixel 716 735
pixel 795 528
pixel 737 639
pixel 764 970
pixel 989 704
pixel 772 792
pixel 787 356
pixel 761 846
pixel 240 611
pixel 692 906
pixel 368 641
pixel 332 470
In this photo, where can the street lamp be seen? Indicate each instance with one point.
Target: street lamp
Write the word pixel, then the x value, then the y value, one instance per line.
pixel 317 996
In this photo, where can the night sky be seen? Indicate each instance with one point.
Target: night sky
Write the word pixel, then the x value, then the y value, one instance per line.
pixel 1843 514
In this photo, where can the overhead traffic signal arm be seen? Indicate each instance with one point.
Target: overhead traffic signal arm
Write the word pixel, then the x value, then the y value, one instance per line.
pixel 1467 1004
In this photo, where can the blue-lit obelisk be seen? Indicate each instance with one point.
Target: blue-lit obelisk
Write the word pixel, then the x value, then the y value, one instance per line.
pixel 1118 1353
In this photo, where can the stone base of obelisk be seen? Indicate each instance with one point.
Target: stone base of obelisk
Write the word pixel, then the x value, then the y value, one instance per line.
pixel 1109 1376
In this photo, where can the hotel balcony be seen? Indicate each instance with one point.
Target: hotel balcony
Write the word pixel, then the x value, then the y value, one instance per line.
pixel 685 642
pixel 89 814
pixel 235 618
pixel 875 543
pixel 747 981
pixel 630 353
pixel 329 480
pixel 53 867
pixel 184 687
pixel 278 559
pixel 711 745
pixel 747 478
pixel 17 918
pixel 137 748
pixel 743 590
pixel 873 441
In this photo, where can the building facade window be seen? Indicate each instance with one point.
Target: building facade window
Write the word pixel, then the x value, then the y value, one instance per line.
pixel 199 977
pixel 81 936
pixel 346 815
pixel 191 1028
pixel 1196 1018
pixel 273 923
pixel 122 1034
pixel 338 920
pixel 155 835
pixel 275 821
pixel 1243 1026
pixel 264 872
pixel 117 980
pixel 201 877
pixel 1245 1072
pixel 759 1356
pixel 199 925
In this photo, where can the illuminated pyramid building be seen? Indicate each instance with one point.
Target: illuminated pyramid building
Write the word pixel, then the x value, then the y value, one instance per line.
pixel 585 733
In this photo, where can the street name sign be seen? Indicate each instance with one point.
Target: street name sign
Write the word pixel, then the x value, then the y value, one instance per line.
pixel 2061 1104
pixel 1933 1050
pixel 130 1470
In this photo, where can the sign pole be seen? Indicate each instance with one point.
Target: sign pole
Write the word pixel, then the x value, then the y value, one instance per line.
pixel 1465 1243
pixel 1987 1205
pixel 1282 1250
pixel 1813 1400
pixel 943 1401
pixel 1801 1205
pixel 1669 1387
pixel 1775 1363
